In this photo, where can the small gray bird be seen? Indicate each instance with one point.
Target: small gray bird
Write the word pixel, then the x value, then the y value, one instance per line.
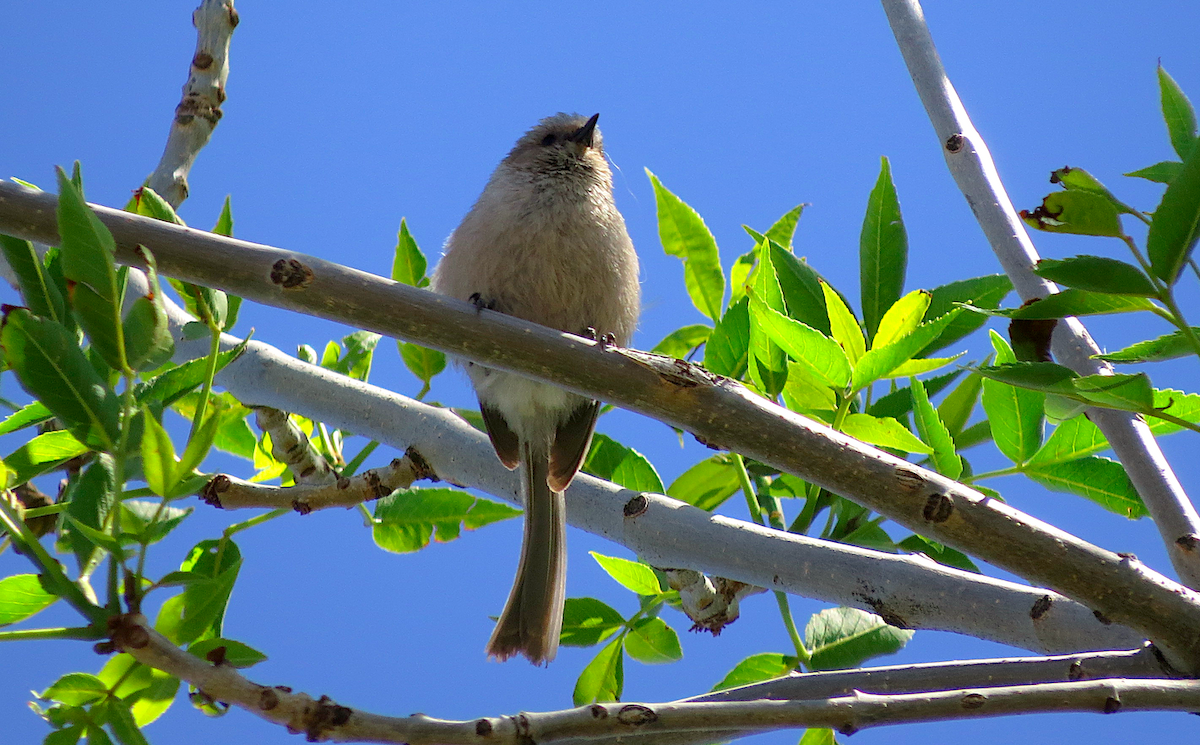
pixel 546 243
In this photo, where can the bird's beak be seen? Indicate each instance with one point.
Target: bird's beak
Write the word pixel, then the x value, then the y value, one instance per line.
pixel 584 134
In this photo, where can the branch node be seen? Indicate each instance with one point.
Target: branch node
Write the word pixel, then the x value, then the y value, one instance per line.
pixel 483 727
pixel 974 701
pixel 1112 704
pixel 637 506
pixel 1040 607
pixel 268 699
pixel 291 274
pixel 938 508
pixel 636 715
pixel 598 711
pixel 212 490
pixel 128 631
pixel 955 142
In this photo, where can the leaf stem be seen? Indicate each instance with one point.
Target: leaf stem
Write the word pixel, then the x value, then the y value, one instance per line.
pixel 994 474
pixel 83 633
pixel 210 372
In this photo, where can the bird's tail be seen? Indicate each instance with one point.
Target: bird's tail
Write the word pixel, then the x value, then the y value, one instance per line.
pixel 532 617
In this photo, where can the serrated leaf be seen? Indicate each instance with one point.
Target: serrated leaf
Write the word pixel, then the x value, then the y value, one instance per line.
pixel 803 297
pixel 122 724
pixel 150 691
pixel 604 677
pixel 237 654
pixel 1078 179
pixel 1099 479
pixel 982 292
pixel 934 432
pixel 727 350
pixel 784 229
pixel 898 403
pixel 1175 225
pixel 958 405
pixel 1186 406
pixel 40 292
pixel 806 346
pixel 75 689
pixel 1073 302
pixel 757 668
pixel 1160 173
pixel 43 453
pixel 1167 347
pixel 1177 113
pixel 883 251
pixel 408 264
pixel 610 460
pixel 684 235
pixel 52 368
pixel 806 393
pixel 652 642
pixel 883 432
pixel 1017 415
pixel 682 341
pixel 1075 212
pixel 205 602
pixel 880 362
pixel 739 272
pixel 1117 391
pixel 1098 274
pixel 90 499
pixel 707 484
pixel 841 638
pixel 634 576
pixel 149 203
pixel 26 416
pixel 158 456
pixel 587 622
pixel 767 362
pixel 22 596
pixel 168 386
pixel 407 519
pixel 902 318
pixel 843 326
pixel 939 553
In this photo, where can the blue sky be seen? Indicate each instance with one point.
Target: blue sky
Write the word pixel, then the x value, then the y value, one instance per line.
pixel 343 118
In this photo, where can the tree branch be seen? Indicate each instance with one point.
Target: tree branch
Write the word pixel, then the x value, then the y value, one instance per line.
pixel 198 112
pixel 971 164
pixel 717 409
pixel 322 719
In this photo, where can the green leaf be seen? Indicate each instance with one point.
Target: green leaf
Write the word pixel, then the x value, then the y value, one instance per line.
pixel 883 432
pixel 681 342
pixel 158 456
pixel 360 350
pixel 634 576
pixel 122 724
pixel 818 736
pixel 236 654
pixel 727 350
pixel 982 292
pixel 1017 416
pixel 610 460
pixel 1101 480
pixel 806 393
pixel 75 689
pixel 407 519
pixel 841 638
pixel 805 345
pixel 43 453
pixel 898 403
pixel 1118 391
pixel 941 554
pixel 801 286
pixel 421 361
pixel 652 642
pixel 1077 179
pixel 707 484
pixel 1186 406
pixel 1098 274
pixel 91 499
pixel 902 318
pixel 767 361
pixel 27 416
pixel 739 272
pixel 204 602
pixel 198 446
pixel 1177 113
pixel 604 677
pixel 757 668
pixel 883 251
pixel 587 622
pixel 409 264
pixel 40 292
pixel 958 405
pixel 168 386
pixel 150 691
pixel 149 522
pixel 65 736
pixel 224 224
pixel 148 339
pixel 1176 223
pixel 52 368
pixel 150 204
pixel 784 229
pixel 1075 212
pixel 933 431
pixel 684 235
pixel 1160 173
pixel 87 261
pixel 1073 302
pixel 843 326
pixel 881 362
pixel 1166 347
pixel 22 596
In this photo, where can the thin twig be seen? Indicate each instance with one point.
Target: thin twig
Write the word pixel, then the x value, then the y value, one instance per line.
pixel 971 164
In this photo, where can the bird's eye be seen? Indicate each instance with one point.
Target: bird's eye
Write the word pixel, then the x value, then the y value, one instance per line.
pixel 549 140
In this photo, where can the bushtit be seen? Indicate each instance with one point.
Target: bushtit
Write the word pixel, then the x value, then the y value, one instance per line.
pixel 546 243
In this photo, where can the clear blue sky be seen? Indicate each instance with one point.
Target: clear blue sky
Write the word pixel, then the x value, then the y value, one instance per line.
pixel 342 118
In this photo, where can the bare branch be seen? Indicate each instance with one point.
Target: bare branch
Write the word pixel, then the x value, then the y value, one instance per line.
pixel 230 493
pixel 321 719
pixel 290 446
pixel 716 409
pixel 198 112
pixel 971 164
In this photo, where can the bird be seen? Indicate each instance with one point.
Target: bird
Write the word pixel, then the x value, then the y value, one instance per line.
pixel 544 242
